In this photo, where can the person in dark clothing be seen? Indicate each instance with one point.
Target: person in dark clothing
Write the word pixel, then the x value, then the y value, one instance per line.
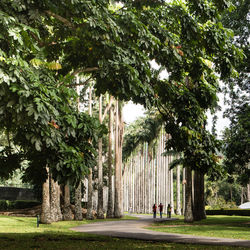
pixel 160 209
pixel 154 210
pixel 169 211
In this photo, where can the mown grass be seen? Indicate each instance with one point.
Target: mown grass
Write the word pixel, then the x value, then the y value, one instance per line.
pixel 234 227
pixel 23 233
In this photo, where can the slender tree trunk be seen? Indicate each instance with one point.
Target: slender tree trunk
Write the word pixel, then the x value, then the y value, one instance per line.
pixel 183 190
pixel 188 204
pixel 172 191
pixel 141 181
pixel 248 192
pixel 78 203
pixel 67 212
pixel 121 131
pixel 45 215
pixel 89 215
pixel 199 199
pixel 78 191
pixel 117 208
pixel 110 212
pixel 178 191
pixel 202 196
pixel 55 209
pixel 118 203
pixel 100 213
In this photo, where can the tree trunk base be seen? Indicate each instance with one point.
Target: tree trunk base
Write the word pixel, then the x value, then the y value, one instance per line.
pixel 67 214
pixel 100 215
pixel 109 215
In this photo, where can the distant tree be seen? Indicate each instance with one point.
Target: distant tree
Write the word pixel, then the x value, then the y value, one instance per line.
pixel 236 137
pixel 237 144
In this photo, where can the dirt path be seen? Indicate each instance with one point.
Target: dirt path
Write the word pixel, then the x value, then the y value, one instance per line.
pixel 133 229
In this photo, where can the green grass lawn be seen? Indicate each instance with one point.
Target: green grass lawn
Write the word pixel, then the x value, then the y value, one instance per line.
pixel 235 227
pixel 22 233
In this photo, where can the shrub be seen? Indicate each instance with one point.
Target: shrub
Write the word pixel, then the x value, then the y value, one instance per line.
pixel 18 204
pixel 239 212
pixel 219 203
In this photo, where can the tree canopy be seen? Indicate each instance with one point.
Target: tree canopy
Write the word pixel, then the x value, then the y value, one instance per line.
pixel 45 44
pixel 236 137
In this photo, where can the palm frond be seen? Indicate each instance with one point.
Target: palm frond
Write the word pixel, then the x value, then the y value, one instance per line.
pixel 171 153
pixel 176 162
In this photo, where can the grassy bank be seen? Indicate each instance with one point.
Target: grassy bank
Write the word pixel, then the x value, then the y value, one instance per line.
pixel 235 227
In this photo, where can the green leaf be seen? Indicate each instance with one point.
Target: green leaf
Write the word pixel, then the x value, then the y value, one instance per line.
pixel 38 145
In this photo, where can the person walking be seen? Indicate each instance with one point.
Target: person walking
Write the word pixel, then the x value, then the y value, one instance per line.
pixel 154 211
pixel 169 211
pixel 160 209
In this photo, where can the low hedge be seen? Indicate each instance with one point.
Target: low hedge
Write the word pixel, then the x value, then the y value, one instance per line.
pixel 6 205
pixel 240 212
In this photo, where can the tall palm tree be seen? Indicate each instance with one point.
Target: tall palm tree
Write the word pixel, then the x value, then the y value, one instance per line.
pixel 78 202
pixel 100 213
pixel 78 188
pixel 118 162
pixel 55 209
pixel 89 215
pixel 183 189
pixel 188 197
pixel 102 115
pixel 67 212
pixel 110 210
pixel 178 191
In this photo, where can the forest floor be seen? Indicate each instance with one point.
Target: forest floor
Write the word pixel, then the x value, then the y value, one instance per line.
pixel 137 229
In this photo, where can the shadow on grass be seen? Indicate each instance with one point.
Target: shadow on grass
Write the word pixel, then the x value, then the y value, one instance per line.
pixel 85 241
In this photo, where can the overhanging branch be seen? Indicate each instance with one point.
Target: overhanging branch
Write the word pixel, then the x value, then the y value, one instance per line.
pixel 80 84
pixel 108 108
pixel 60 18
pixel 78 71
pixel 86 70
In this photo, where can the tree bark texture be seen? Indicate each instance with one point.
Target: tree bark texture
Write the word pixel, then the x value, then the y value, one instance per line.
pixel 89 215
pixel 67 212
pixel 199 199
pixel 78 203
pixel 110 211
pixel 121 132
pixel 55 209
pixel 45 215
pixel 117 205
pixel 178 191
pixel 188 217
pixel 100 213
pixel 183 189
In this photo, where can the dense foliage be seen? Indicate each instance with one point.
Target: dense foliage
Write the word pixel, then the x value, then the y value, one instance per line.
pixel 45 44
pixel 236 137
pixel 37 112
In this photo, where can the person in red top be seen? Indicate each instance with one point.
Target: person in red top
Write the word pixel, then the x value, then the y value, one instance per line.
pixel 154 210
pixel 161 209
